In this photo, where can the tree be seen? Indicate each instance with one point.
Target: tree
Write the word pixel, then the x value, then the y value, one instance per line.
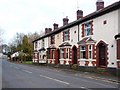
pixel 23 43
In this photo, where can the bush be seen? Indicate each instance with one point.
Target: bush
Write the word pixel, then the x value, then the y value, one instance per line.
pixel 29 58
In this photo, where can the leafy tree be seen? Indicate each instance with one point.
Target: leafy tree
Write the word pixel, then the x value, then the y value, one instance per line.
pixel 23 43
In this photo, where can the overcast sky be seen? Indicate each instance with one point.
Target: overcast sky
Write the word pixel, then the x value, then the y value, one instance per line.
pixel 34 15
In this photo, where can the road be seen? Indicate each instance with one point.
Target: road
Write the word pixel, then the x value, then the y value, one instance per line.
pixel 30 76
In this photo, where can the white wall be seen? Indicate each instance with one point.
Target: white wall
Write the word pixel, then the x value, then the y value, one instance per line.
pixel 46 42
pixel 58 39
pixel 119 20
pixel 106 32
pixel 73 35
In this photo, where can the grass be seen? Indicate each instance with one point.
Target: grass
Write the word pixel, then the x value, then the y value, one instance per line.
pixel 28 62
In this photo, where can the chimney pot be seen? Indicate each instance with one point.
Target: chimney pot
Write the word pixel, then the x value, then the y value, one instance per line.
pixel 65 21
pixel 79 14
pixel 55 26
pixel 48 30
pixel 99 4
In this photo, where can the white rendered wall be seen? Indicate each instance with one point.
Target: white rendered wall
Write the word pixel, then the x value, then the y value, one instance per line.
pixel 58 39
pixel 106 32
pixel 74 36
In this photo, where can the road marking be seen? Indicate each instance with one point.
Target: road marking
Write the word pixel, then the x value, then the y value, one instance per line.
pixel 17 67
pixel 27 71
pixel 55 79
pixel 82 87
pixel 85 88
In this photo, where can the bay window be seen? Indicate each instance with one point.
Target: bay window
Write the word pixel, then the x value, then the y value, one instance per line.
pixel 83 52
pixel 62 53
pixel 90 51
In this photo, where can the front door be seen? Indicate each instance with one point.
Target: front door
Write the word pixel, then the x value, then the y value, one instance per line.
pixel 102 55
pixel 74 55
pixel 57 56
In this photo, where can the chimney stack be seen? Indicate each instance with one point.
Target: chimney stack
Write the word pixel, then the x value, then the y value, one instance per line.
pixel 79 14
pixel 48 30
pixel 99 4
pixel 65 21
pixel 55 26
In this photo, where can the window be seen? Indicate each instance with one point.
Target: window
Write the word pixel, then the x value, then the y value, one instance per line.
pixel 66 35
pixel 82 52
pixel 48 54
pixel 62 53
pixel 87 29
pixel 58 36
pixel 35 44
pixel 52 39
pixel 66 52
pixel 43 43
pixel 89 51
pixel 104 22
pixel 52 54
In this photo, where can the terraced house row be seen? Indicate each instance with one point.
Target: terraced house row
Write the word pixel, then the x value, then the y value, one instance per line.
pixel 92 40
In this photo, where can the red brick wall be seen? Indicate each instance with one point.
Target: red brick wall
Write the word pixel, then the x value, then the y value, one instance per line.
pixel 69 35
pixel 70 53
pixel 91 27
pixel 118 49
pixel 64 53
pixel 78 52
pixel 50 54
pixel 93 51
pixel 82 30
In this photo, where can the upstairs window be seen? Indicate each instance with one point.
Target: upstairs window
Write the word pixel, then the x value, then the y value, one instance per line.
pixel 66 35
pixel 53 39
pixel 87 29
pixel 43 42
pixel 83 52
pixel 36 45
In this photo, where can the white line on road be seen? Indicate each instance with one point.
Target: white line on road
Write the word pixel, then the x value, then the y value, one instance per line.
pixel 27 71
pixel 55 79
pixel 17 67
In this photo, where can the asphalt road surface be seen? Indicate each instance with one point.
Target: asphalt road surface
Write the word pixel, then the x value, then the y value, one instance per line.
pixel 29 76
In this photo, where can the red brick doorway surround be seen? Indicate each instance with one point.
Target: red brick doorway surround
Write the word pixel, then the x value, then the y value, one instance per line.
pixel 102 54
pixel 74 55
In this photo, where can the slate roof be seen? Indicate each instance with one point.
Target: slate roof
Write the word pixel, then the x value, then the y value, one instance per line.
pixel 93 15
pixel 86 40
pixel 65 44
pixel 117 36
pixel 42 49
pixel 51 47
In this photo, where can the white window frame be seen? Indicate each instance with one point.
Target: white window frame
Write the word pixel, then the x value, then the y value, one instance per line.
pixel 62 53
pixel 89 50
pixel 66 35
pixel 87 28
pixel 36 45
pixel 67 53
pixel 81 51
pixel 43 42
